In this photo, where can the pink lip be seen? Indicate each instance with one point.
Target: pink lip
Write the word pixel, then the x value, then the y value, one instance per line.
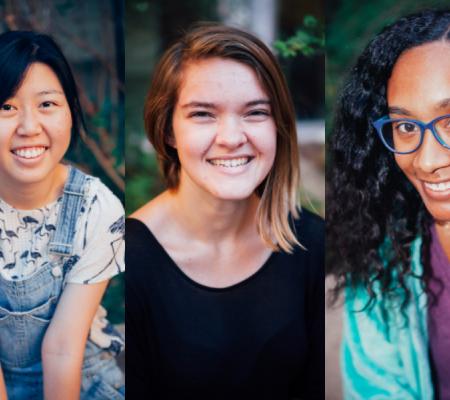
pixel 231 171
pixel 230 157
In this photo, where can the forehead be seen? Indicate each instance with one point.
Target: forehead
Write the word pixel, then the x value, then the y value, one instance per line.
pixel 218 79
pixel 421 76
pixel 40 75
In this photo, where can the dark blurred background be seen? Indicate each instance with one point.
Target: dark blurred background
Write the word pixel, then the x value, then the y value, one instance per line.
pixel 90 34
pixel 285 25
pixel 350 25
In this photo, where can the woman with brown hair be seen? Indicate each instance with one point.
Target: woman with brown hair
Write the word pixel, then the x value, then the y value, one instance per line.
pixel 225 274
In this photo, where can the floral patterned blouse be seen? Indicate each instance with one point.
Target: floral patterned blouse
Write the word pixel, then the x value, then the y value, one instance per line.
pixel 98 252
pixel 98 243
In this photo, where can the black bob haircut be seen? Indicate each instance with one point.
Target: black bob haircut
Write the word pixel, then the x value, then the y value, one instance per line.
pixel 20 49
pixel 370 201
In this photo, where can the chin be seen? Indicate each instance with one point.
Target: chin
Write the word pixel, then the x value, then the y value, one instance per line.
pixel 439 212
pixel 33 175
pixel 440 215
pixel 232 194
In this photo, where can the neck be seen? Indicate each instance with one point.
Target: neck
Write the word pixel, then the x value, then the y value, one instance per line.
pixel 443 231
pixel 28 196
pixel 211 219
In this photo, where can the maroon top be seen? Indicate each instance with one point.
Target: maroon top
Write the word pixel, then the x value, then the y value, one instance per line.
pixel 439 319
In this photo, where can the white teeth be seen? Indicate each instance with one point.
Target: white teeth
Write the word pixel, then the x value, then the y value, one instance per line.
pixel 29 152
pixel 438 187
pixel 234 162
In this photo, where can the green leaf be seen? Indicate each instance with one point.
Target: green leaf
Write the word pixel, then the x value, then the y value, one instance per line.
pixel 308 40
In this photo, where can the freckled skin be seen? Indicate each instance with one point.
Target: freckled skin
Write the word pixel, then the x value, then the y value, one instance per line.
pixel 419 83
pixel 229 129
pixel 37 114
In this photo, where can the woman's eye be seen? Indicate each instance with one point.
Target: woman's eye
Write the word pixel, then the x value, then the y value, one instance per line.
pixel 6 107
pixel 201 114
pixel 407 127
pixel 47 104
pixel 258 114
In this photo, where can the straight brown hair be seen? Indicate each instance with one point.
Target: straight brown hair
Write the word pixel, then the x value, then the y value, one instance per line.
pixel 278 192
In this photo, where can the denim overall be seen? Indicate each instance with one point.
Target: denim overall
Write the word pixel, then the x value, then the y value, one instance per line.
pixel 27 307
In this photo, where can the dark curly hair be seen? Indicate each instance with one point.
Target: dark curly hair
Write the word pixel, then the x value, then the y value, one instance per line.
pixel 370 202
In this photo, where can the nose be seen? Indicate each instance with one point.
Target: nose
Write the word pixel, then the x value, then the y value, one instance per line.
pixel 431 155
pixel 231 133
pixel 29 123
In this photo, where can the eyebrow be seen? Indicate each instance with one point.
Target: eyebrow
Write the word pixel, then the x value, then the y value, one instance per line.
pixel 399 111
pixel 402 111
pixel 443 104
pixel 201 104
pixel 51 91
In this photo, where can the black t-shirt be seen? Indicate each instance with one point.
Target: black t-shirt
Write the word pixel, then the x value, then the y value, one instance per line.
pixel 262 338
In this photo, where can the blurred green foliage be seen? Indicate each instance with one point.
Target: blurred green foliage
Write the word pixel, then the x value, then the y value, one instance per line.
pixel 146 182
pixel 351 24
pixel 113 300
pixel 308 40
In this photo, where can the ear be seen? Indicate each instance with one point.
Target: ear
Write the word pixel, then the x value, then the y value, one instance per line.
pixel 170 140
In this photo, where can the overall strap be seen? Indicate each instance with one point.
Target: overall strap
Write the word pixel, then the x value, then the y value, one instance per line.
pixel 72 200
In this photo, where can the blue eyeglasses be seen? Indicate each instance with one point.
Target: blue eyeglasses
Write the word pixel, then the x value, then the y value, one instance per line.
pixel 404 136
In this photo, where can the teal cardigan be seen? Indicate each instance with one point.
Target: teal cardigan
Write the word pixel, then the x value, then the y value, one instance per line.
pixel 382 363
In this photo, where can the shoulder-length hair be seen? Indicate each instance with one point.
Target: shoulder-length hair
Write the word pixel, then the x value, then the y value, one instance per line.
pixel 20 49
pixel 279 190
pixel 371 203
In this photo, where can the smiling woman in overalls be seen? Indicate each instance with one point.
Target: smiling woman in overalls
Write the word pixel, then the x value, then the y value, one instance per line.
pixel 61 237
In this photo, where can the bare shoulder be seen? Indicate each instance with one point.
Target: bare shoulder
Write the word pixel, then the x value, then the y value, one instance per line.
pixel 154 213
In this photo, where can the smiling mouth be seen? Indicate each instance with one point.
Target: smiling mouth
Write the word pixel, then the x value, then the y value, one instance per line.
pixel 29 152
pixel 230 163
pixel 438 187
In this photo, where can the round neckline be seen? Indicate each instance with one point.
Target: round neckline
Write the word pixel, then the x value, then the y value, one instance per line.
pixel 174 266
pixel 47 206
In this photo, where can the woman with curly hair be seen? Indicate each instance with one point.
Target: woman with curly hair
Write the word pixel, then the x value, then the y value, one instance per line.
pixel 389 218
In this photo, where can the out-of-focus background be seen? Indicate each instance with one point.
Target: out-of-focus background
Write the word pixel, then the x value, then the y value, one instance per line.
pixel 350 25
pixel 293 29
pixel 90 34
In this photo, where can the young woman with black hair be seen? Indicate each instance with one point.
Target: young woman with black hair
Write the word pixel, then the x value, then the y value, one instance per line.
pixel 61 236
pixel 389 212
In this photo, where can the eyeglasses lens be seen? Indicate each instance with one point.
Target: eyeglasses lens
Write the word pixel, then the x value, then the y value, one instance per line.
pixel 442 127
pixel 402 136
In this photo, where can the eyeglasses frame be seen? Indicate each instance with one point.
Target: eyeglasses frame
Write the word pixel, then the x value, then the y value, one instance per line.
pixel 379 123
